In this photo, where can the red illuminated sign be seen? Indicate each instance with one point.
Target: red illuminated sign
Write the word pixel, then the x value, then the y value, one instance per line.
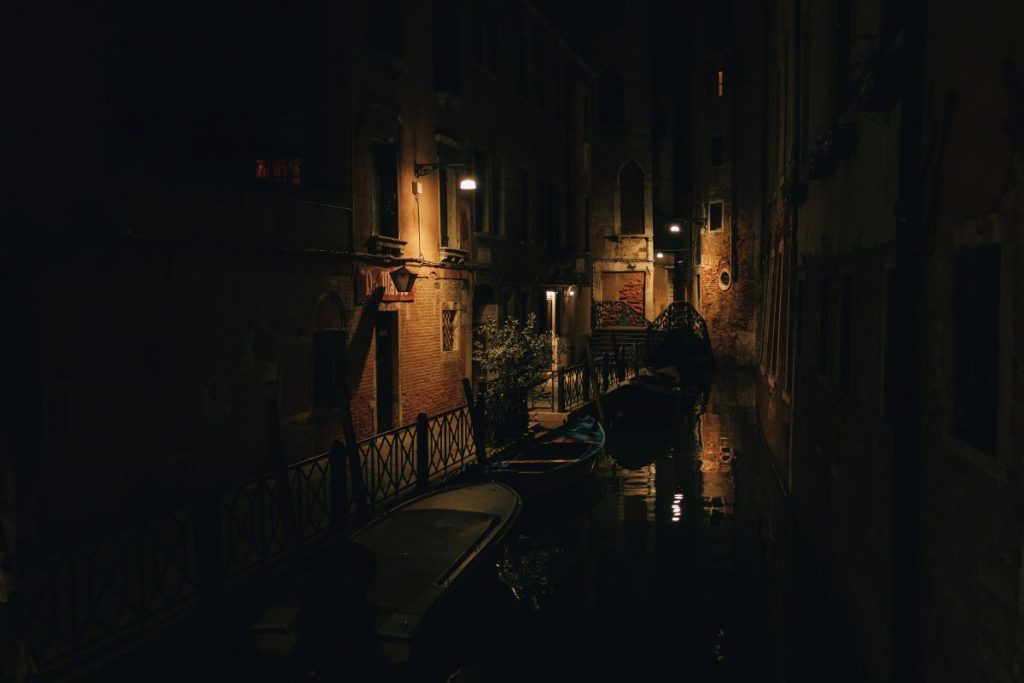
pixel 374 282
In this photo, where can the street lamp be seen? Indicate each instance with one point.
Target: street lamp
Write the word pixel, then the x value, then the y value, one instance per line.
pixel 465 182
pixel 674 227
pixel 403 279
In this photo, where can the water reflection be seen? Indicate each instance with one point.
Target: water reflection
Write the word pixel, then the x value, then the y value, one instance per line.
pixel 629 571
pixel 656 568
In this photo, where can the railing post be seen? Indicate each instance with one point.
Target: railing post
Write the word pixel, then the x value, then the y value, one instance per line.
pixel 339 486
pixel 422 453
pixel 561 390
pixel 478 420
pixel 591 377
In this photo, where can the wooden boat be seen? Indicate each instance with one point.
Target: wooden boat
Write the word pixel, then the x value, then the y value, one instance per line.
pixel 424 549
pixel 555 460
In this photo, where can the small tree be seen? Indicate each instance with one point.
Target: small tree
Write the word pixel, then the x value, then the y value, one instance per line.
pixel 512 355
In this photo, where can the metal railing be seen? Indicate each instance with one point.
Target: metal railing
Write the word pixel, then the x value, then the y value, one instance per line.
pixel 102 596
pixel 541 396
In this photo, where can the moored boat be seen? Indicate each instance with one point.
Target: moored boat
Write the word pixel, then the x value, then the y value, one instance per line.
pixel 554 461
pixel 424 549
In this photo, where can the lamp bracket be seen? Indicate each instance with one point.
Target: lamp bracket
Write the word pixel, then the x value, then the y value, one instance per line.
pixel 427 169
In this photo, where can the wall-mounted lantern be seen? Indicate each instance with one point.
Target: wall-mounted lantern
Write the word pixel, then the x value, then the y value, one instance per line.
pixel 404 279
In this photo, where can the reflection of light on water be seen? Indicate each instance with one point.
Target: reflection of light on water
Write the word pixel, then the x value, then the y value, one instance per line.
pixel 677 507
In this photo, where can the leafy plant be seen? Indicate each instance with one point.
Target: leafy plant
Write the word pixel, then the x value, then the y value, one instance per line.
pixel 511 355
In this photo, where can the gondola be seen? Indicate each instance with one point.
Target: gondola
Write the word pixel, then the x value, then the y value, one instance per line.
pixel 423 550
pixel 554 461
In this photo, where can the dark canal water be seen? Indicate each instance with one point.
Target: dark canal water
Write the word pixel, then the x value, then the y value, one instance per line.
pixel 678 561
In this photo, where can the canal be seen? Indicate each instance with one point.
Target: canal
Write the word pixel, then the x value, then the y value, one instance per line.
pixel 679 561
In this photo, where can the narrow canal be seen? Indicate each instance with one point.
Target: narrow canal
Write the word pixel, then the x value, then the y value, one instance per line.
pixel 677 562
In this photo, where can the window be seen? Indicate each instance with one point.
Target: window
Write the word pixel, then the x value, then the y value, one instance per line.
pixel 385 188
pixel 611 105
pixel 586 224
pixel 715 211
pixel 443 197
pixel 718 83
pixel 328 367
pixel 631 200
pixel 481 165
pixel 976 346
pixel 495 197
pixel 282 170
pixel 449 325
pixel 717 151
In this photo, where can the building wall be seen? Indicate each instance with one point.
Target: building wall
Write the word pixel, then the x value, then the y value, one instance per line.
pixel 826 394
pixel 727 267
pixel 972 599
pixel 828 248
pixel 622 49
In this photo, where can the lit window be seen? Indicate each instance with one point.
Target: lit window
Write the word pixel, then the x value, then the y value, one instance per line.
pixel 720 83
pixel 715 216
pixel 449 319
pixel 282 170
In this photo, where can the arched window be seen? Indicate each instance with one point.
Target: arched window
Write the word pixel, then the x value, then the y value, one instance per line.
pixel 631 200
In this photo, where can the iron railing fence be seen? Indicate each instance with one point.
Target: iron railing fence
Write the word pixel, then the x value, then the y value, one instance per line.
pixel 99 597
pixel 452 443
pixel 573 387
pixel 541 395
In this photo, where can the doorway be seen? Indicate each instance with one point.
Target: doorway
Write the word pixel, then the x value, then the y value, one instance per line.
pixel 386 325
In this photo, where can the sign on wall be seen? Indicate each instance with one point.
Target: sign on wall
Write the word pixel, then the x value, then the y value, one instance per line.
pixel 373 281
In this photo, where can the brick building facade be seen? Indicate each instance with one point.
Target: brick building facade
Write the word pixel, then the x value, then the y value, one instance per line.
pixel 726 159
pixel 225 262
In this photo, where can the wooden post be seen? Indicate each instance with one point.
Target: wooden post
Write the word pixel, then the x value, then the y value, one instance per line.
pixel 352 454
pixel 561 390
pixel 422 453
pixel 284 488
pixel 478 419
pixel 339 486
pixel 592 378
